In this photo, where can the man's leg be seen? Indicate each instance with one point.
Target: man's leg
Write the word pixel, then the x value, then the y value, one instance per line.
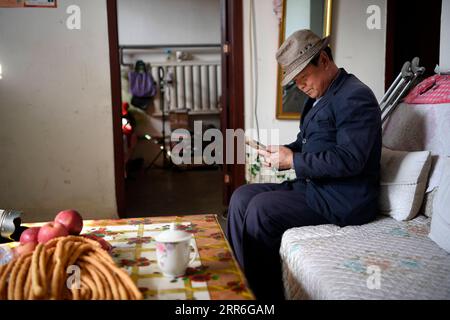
pixel 268 216
pixel 236 213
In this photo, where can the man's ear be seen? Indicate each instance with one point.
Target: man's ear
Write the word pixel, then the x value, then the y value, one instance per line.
pixel 324 60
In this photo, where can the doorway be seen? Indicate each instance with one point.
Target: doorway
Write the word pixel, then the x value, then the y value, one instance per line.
pixel 147 184
pixel 413 30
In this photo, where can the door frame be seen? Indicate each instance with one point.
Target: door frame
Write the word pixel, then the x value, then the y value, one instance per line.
pixel 232 88
pixel 232 116
pixel 116 103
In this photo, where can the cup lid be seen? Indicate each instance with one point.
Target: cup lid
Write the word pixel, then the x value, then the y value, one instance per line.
pixel 173 235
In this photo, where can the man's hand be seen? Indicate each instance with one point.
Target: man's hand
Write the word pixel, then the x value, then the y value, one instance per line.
pixel 278 157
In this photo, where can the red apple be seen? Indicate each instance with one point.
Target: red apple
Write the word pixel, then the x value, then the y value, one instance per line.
pixel 29 235
pixel 72 220
pixel 51 230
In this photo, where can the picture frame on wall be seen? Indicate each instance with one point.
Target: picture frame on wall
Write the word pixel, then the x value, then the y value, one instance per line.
pixel 11 3
pixel 28 3
pixel 40 3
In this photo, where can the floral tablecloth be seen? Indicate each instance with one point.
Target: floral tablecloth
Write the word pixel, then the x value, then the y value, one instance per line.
pixel 214 275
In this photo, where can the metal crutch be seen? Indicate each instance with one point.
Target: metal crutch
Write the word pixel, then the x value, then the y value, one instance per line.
pixel 417 71
pixel 395 89
pixel 395 84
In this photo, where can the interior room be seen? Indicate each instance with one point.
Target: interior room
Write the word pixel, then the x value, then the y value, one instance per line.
pixel 100 100
pixel 183 62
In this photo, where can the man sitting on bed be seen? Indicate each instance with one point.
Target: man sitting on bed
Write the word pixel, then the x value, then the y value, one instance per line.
pixel 336 158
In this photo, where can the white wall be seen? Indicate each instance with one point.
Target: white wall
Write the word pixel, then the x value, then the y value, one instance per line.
pixel 169 22
pixel 444 62
pixel 56 141
pixel 356 48
pixel 267 45
pixel 359 50
pixel 148 22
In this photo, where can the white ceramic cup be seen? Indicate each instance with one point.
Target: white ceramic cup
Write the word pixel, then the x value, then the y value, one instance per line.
pixel 173 251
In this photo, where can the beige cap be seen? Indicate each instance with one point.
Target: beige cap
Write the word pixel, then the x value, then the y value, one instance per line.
pixel 297 51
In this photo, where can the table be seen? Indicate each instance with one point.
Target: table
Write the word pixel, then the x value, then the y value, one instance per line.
pixel 215 274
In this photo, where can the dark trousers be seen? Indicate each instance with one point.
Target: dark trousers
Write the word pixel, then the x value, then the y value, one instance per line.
pixel 258 216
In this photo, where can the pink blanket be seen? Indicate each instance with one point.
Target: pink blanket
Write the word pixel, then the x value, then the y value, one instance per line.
pixel 433 90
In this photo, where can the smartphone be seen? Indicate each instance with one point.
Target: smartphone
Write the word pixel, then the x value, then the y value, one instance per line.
pixel 255 144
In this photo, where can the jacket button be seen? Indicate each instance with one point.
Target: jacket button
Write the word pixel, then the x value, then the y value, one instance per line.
pixel 304 141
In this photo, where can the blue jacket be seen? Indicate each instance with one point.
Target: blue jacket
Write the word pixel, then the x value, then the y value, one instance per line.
pixel 337 152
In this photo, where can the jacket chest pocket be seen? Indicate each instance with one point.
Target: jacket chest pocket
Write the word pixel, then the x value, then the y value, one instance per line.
pixel 325 124
pixel 323 133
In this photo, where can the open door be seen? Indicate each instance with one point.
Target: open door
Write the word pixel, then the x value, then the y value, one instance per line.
pixel 232 116
pixel 413 30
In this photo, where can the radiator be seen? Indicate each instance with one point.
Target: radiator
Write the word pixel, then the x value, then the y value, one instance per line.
pixel 196 86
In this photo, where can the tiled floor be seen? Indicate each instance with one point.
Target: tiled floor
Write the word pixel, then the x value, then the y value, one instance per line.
pixel 168 192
